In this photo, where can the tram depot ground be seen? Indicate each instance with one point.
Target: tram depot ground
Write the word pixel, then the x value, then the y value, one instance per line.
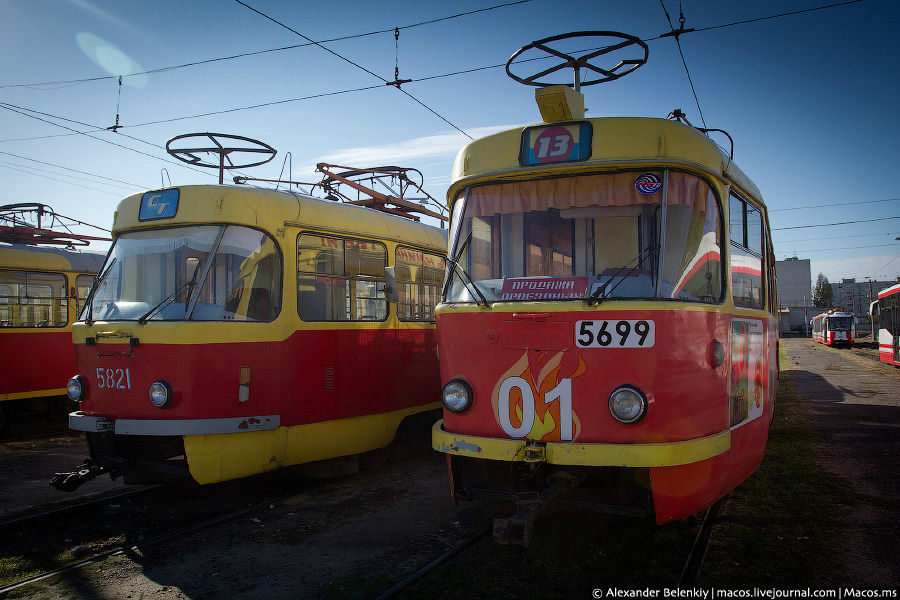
pixel 820 512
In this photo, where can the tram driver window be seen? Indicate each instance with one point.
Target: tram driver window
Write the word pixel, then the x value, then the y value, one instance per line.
pixel 745 223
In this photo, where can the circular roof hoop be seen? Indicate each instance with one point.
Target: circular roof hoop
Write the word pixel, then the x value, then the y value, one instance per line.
pixel 620 41
pixel 222 145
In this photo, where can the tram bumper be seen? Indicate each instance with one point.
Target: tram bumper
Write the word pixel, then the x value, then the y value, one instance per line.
pixel 684 476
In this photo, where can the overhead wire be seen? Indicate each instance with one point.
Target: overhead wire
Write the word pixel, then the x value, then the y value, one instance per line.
pixel 771 210
pixel 833 224
pixel 676 33
pixel 7 166
pixel 269 50
pixel 40 170
pixel 63 83
pixel 23 112
pixel 357 65
pixel 19 156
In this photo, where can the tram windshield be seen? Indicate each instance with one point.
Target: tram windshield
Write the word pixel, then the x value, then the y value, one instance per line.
pixel 199 273
pixel 840 323
pixel 598 235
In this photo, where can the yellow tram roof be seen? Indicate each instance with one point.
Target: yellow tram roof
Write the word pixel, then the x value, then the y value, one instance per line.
pixel 271 209
pixel 616 141
pixel 23 256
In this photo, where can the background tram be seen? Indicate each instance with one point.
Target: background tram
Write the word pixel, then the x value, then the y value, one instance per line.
pixel 42 288
pixel 889 325
pixel 608 333
pixel 833 328
pixel 235 330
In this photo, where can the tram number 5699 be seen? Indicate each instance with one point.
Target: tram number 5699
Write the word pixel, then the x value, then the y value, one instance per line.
pixel 615 334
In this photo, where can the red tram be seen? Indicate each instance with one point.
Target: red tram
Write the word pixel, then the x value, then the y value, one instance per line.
pixel 607 335
pixel 833 328
pixel 889 325
pixel 42 288
pixel 235 330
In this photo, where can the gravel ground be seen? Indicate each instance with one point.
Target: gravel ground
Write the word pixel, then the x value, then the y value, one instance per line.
pixel 854 404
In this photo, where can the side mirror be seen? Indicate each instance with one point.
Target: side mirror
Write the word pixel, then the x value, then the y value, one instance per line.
pixel 390 286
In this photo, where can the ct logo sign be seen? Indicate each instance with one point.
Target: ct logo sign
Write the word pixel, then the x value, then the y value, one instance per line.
pixel 159 205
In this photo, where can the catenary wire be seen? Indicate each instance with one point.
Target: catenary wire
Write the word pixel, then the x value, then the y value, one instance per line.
pixel 683 61
pixel 833 224
pixel 771 210
pixel 388 30
pixel 7 107
pixel 7 166
pixel 835 237
pixel 282 48
pixel 58 174
pixel 19 156
pixel 357 65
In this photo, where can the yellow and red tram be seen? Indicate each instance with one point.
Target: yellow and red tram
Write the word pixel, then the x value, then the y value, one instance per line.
pixel 235 330
pixel 42 288
pixel 607 334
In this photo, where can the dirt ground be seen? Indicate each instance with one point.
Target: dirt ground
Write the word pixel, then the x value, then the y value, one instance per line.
pixel 26 467
pixel 341 540
pixel 854 403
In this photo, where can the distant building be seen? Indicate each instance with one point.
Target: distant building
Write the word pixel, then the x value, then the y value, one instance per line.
pixel 793 282
pixel 856 296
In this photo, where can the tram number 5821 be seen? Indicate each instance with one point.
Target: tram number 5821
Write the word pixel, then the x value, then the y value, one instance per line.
pixel 615 334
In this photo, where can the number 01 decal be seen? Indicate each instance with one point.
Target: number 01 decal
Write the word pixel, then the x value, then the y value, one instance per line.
pixel 562 392
pixel 615 334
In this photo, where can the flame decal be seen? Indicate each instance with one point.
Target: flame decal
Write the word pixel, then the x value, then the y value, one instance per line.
pixel 551 371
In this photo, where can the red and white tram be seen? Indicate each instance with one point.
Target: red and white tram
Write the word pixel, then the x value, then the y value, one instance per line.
pixel 889 325
pixel 833 328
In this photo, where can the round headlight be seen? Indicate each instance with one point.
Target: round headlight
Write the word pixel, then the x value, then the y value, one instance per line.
pixel 627 404
pixel 75 388
pixel 457 396
pixel 160 394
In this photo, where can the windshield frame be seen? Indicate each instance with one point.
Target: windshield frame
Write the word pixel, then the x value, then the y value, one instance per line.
pixel 203 267
pixel 462 197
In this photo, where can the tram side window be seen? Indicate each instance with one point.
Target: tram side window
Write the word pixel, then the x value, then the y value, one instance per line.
pixel 692 267
pixel 30 299
pixel 340 279
pixel 83 285
pixel 419 279
pixel 745 223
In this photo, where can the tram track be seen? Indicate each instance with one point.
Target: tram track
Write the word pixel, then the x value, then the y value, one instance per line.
pixel 123 549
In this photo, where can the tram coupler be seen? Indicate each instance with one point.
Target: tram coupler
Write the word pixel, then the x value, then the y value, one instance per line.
pixel 71 481
pixel 529 505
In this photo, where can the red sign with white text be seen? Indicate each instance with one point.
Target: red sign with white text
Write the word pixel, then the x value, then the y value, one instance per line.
pixel 543 288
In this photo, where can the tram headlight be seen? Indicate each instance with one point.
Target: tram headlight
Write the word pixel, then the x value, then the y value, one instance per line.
pixel 457 396
pixel 160 394
pixel 627 404
pixel 75 388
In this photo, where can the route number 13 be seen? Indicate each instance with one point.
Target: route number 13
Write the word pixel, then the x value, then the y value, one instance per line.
pixel 562 392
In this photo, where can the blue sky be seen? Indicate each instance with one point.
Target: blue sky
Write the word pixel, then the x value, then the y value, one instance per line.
pixel 810 99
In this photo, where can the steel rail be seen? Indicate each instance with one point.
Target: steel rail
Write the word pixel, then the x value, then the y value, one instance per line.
pixel 4 590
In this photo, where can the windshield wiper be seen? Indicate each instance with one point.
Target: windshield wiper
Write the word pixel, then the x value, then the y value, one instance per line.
pixel 600 294
pixel 94 288
pixel 168 299
pixel 453 260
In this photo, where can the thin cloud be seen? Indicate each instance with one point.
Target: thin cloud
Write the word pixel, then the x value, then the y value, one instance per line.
pixel 406 152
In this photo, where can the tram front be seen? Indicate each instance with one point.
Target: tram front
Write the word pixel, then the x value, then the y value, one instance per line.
pixel 584 325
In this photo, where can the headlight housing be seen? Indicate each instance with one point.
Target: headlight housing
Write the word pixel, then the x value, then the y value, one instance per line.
pixel 75 388
pixel 627 404
pixel 457 396
pixel 160 394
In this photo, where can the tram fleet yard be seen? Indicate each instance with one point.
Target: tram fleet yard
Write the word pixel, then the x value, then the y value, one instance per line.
pixel 819 513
